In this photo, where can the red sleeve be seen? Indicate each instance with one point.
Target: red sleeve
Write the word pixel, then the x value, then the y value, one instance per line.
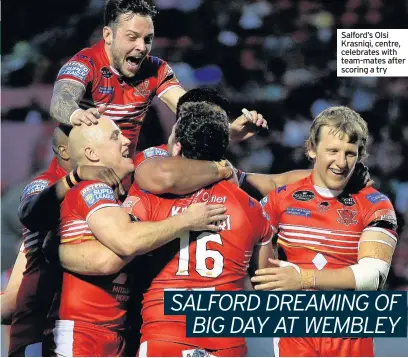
pixel 138 204
pixel 166 79
pixel 80 68
pixel 380 215
pixel 79 204
pixel 92 196
pixel 270 210
pixel 38 184
pixel 152 152
pixel 265 230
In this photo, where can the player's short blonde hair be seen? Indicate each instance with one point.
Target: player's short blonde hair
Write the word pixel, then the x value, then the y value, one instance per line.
pixel 344 121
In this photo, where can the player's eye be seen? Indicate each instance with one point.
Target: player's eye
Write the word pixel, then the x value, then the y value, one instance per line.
pixel 148 40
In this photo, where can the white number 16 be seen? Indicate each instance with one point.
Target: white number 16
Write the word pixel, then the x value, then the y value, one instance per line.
pixel 201 255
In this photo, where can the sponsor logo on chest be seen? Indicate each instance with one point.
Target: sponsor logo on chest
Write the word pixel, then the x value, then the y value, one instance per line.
pixel 303 195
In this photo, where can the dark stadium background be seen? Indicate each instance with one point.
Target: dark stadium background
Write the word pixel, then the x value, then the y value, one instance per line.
pixel 277 57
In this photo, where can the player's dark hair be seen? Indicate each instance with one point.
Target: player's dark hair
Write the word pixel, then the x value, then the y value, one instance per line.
pixel 204 94
pixel 203 131
pixel 115 8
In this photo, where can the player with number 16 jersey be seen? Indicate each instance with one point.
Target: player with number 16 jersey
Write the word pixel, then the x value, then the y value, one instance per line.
pixel 197 261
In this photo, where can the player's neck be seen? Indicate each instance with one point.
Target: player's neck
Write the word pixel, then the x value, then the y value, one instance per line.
pixel 322 189
pixel 326 192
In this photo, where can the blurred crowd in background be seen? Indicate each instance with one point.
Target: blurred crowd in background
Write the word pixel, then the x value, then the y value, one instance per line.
pixel 277 57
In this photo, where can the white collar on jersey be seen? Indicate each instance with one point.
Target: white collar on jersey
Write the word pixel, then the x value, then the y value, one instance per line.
pixel 327 193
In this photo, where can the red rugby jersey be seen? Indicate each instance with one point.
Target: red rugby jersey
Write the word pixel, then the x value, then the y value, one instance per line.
pixel 317 231
pixel 128 100
pixel 101 300
pixel 198 260
pixel 37 287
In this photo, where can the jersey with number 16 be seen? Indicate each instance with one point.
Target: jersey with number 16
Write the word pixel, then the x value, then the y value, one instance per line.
pixel 198 260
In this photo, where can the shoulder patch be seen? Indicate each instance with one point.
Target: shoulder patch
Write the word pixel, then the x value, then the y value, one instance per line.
pixel 75 69
pixel 86 58
pixel 281 188
pixel 375 198
pixel 155 152
pixel 35 186
pixel 97 192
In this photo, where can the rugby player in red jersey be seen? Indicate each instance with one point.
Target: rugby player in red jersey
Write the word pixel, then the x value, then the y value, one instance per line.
pixel 119 77
pixel 333 239
pixel 206 261
pixel 91 322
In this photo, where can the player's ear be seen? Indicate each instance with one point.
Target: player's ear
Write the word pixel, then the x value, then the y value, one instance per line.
pixel 176 149
pixel 312 154
pixel 91 154
pixel 63 152
pixel 107 35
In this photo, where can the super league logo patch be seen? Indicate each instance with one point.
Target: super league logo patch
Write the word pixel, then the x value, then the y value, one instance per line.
pixel 347 217
pixel 74 69
pixel 96 192
pixel 34 187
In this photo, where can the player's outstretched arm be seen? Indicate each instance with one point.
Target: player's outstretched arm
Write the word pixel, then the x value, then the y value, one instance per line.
pixel 65 100
pixel 171 97
pixel 374 260
pixel 40 212
pixel 65 104
pixel 177 175
pixel 90 258
pixel 265 183
pixel 9 298
pixel 113 228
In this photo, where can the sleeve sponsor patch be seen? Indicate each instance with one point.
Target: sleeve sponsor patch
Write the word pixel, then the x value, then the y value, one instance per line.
pixel 155 152
pixel 375 198
pixel 94 193
pixel 129 203
pixel 264 201
pixel 34 187
pixel 74 69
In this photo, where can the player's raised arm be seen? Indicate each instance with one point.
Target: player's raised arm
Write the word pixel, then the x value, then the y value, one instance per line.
pixel 65 104
pixel 171 96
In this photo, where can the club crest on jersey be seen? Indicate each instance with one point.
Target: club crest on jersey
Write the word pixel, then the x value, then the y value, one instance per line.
pixel 97 192
pixel 347 217
pixel 303 195
pixel 346 200
pixel 323 207
pixel 142 89
pixel 106 73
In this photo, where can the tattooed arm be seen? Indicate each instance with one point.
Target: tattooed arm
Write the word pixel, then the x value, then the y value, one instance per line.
pixel 64 104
